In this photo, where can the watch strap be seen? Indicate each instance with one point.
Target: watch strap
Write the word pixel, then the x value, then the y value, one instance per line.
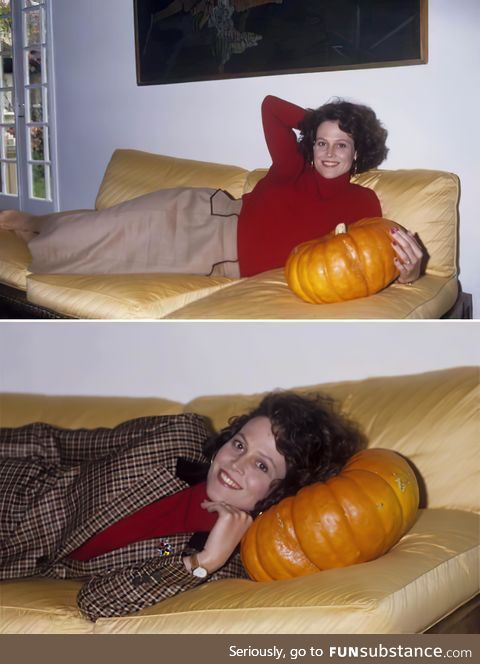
pixel 195 564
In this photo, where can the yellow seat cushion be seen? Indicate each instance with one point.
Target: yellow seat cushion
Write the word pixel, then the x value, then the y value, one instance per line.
pixel 114 296
pixel 267 296
pixel 132 173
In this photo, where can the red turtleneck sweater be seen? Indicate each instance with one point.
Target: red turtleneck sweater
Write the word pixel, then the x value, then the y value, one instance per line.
pixel 293 203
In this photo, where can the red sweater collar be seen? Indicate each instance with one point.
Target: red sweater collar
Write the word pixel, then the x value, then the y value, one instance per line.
pixel 330 187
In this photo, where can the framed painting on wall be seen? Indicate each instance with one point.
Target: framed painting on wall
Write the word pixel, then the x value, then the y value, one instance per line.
pixel 195 40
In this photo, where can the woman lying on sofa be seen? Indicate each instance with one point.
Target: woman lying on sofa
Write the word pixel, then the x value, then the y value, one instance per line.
pixel 305 194
pixel 118 506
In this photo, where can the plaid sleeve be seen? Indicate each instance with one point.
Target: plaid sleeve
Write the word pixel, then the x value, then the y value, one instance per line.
pixel 136 587
pixel 233 569
pixel 56 445
pixel 124 591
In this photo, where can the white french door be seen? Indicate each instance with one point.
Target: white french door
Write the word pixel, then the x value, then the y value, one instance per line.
pixel 27 140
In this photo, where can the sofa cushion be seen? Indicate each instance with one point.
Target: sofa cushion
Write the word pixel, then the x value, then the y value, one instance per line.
pixel 268 296
pixel 434 569
pixel 14 260
pixel 132 173
pixel 423 201
pixel 114 296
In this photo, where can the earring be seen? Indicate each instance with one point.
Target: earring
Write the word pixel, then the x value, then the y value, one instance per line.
pixel 354 167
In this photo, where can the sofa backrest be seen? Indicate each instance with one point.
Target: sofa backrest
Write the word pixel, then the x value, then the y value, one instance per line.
pixel 431 418
pixel 426 203
pixel 132 173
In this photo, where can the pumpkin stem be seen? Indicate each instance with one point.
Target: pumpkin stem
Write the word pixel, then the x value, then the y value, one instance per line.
pixel 340 229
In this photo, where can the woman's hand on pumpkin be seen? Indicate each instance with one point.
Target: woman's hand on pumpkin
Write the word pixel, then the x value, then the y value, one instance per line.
pixel 409 255
pixel 230 527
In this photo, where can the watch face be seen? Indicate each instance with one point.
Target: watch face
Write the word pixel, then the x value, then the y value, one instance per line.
pixel 201 572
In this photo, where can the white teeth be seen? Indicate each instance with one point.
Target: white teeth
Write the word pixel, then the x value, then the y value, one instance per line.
pixel 228 481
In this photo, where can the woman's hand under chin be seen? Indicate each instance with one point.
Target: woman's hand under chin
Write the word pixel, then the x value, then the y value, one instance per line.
pixel 409 255
pixel 230 527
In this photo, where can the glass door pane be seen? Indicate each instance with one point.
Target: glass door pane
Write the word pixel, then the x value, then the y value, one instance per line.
pixel 35 85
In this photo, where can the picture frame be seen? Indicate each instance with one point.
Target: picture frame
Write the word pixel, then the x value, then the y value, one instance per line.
pixel 181 41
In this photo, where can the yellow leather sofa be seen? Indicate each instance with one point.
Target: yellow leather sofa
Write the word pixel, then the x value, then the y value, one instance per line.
pixel 421 200
pixel 428 582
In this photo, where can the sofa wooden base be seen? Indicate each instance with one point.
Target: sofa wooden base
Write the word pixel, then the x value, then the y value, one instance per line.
pixel 14 305
pixel 463 307
pixel 465 620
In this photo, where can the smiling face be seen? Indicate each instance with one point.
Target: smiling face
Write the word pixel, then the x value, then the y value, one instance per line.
pixel 245 468
pixel 333 150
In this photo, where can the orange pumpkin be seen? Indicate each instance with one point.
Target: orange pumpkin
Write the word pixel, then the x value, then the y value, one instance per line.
pixel 346 264
pixel 354 517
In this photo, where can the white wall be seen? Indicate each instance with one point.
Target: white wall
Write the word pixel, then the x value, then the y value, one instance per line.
pixel 430 110
pixel 183 360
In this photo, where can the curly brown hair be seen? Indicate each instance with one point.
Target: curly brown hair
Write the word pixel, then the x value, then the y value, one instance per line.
pixel 314 438
pixel 358 121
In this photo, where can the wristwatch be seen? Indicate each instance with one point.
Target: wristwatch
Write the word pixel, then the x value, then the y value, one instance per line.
pixel 197 569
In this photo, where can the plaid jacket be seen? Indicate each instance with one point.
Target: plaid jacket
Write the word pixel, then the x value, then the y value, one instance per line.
pixel 59 487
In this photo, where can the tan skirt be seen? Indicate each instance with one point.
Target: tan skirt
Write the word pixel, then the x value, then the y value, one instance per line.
pixel 189 231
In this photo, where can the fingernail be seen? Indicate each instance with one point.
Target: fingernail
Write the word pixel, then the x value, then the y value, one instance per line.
pixel 393 230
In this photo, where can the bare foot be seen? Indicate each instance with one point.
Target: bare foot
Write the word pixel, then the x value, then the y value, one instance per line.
pixel 21 223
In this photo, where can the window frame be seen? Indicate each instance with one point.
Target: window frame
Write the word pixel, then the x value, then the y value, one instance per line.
pixel 22 86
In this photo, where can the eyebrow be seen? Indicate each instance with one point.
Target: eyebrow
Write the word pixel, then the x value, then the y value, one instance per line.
pixel 336 140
